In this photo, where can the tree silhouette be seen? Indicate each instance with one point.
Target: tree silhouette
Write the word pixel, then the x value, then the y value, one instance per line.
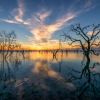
pixel 8 41
pixel 87 38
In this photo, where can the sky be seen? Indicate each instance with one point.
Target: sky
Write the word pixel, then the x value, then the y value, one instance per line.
pixel 40 23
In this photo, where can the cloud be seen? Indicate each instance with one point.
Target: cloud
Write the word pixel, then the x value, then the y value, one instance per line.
pixel 44 32
pixel 42 15
pixel 36 24
pixel 20 11
pixel 90 33
pixel 51 44
pixel 9 21
pixel 14 21
pixel 18 14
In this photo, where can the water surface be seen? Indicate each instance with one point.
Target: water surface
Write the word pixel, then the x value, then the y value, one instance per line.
pixel 43 76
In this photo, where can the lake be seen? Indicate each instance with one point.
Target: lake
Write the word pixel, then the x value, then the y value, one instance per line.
pixel 43 76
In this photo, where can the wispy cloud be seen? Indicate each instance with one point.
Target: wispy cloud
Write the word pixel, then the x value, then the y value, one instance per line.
pixel 36 24
pixel 43 32
pixel 42 15
pixel 20 11
pixel 18 14
pixel 8 21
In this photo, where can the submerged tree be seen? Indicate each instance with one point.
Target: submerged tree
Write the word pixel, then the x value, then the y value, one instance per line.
pixel 87 38
pixel 8 41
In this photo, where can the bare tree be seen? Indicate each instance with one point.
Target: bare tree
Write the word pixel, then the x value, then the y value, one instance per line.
pixel 87 38
pixel 60 49
pixel 8 41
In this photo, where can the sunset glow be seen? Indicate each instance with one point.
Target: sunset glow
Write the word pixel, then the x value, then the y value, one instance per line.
pixel 41 26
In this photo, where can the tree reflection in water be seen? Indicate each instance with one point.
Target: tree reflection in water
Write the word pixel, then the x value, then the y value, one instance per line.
pixel 44 82
pixel 88 84
pixel 8 67
pixel 58 61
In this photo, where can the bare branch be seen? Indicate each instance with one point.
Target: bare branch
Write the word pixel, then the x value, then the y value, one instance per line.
pixel 86 42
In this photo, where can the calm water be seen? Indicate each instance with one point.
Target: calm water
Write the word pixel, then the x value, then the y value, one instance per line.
pixel 42 76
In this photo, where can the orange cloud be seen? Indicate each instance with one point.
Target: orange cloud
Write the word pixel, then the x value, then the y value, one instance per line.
pixel 50 45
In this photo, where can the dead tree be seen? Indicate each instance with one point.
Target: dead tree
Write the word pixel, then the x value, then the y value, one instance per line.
pixel 8 42
pixel 86 38
pixel 58 50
